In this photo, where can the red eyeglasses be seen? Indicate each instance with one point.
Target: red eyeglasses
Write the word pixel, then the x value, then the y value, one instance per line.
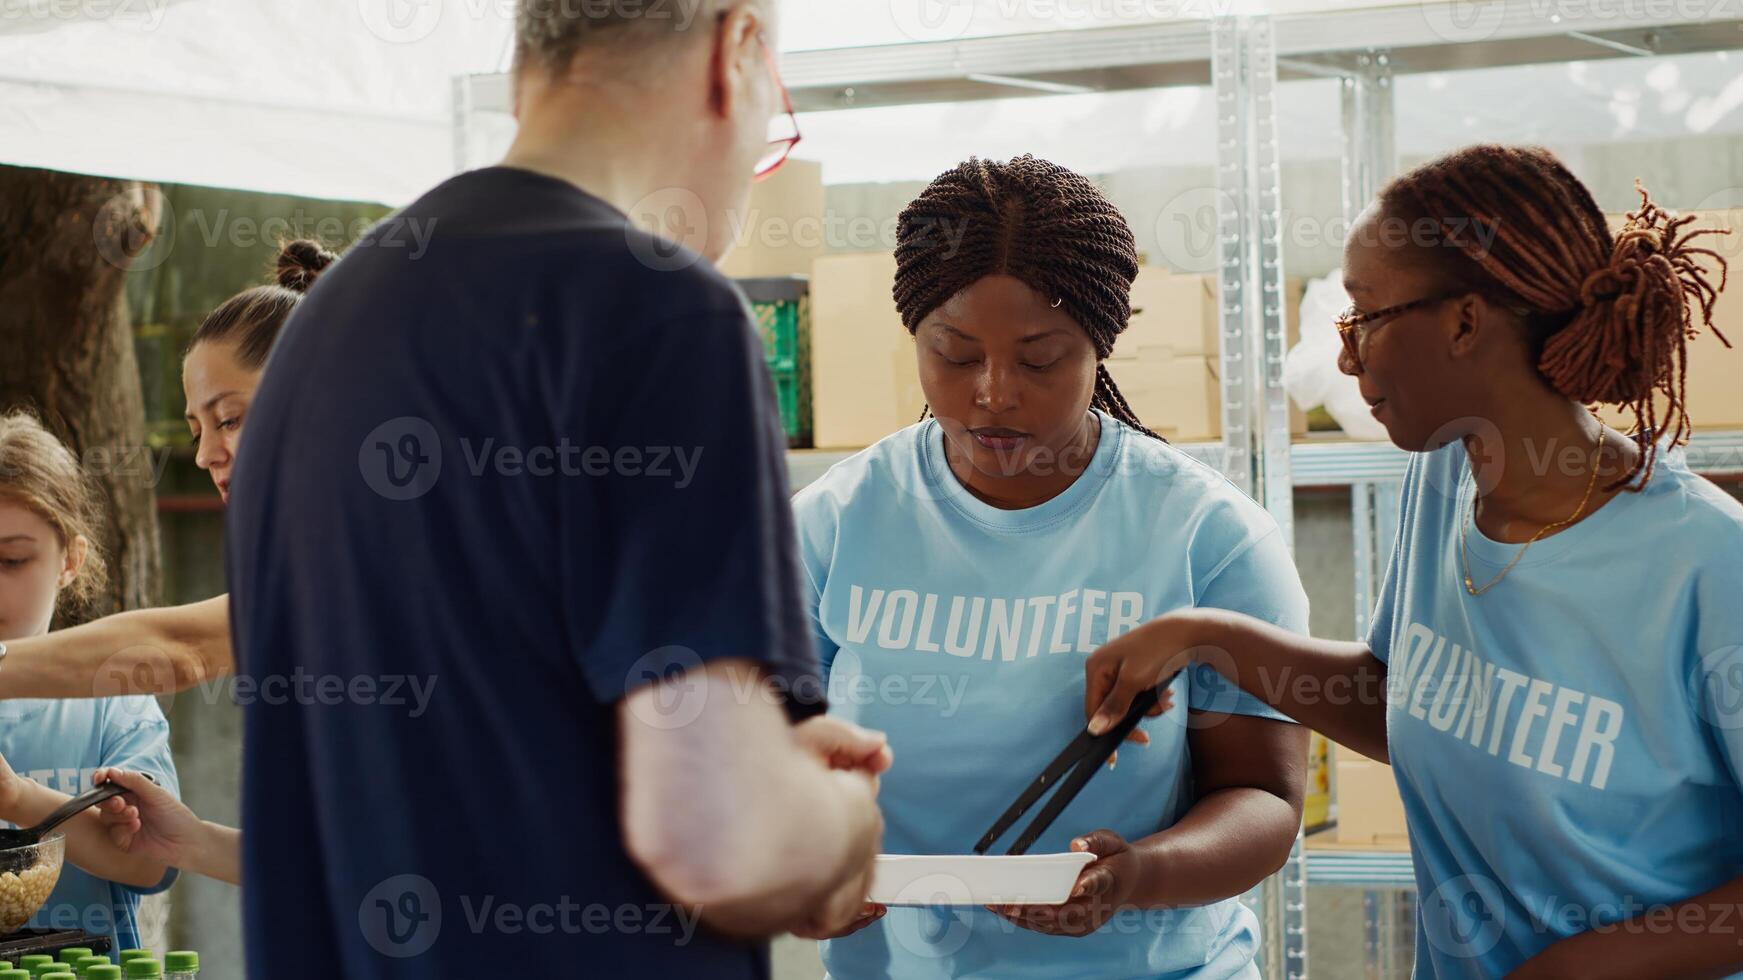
pixel 783 129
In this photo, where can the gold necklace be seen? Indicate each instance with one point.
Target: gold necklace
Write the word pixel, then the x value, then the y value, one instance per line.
pixel 1464 529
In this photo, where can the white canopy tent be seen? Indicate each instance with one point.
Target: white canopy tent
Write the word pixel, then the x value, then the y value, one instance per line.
pixel 334 98
pixel 351 99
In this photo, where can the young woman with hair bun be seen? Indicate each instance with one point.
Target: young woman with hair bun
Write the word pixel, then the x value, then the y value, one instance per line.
pixel 1555 664
pixel 164 650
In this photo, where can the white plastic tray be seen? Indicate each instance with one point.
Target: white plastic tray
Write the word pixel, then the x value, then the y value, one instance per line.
pixel 973 879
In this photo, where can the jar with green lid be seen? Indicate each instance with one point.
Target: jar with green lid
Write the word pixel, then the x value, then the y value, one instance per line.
pixel 83 965
pixel 181 964
pixel 142 969
pixel 103 971
pixel 29 963
pixel 51 966
pixel 14 975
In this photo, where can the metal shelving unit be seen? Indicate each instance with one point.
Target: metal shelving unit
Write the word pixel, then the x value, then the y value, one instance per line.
pixel 1243 59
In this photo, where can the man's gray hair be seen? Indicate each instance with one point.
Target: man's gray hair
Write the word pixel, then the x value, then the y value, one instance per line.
pixel 551 32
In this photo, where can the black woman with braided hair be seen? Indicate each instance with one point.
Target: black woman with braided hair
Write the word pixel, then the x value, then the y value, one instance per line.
pixel 962 569
pixel 1554 668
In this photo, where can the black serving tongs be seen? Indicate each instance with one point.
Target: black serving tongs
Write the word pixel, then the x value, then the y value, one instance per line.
pixel 1071 770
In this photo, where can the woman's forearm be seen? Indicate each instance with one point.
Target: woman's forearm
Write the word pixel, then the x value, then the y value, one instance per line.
pixel 216 852
pixel 1229 841
pixel 1335 687
pixel 145 651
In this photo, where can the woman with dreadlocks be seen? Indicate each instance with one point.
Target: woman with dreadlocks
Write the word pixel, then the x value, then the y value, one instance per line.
pixel 1555 667
pixel 963 568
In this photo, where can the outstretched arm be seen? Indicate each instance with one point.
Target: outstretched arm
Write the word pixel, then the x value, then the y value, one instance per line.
pixel 144 651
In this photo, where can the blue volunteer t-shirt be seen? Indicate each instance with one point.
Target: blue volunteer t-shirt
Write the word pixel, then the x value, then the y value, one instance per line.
pixel 510 460
pixel 1568 745
pixel 961 630
pixel 59 744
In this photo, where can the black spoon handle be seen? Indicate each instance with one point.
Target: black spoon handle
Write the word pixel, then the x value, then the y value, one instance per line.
pixel 74 807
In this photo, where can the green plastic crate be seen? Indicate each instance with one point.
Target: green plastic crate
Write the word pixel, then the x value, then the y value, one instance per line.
pixel 783 314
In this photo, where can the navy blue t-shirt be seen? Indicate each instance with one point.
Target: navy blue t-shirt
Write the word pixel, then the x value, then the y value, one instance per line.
pixel 510 459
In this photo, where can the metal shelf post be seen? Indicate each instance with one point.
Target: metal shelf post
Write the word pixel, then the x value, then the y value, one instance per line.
pixel 1256 450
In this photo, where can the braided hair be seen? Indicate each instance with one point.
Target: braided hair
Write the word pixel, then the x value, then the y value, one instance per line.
pixel 1609 316
pixel 1037 222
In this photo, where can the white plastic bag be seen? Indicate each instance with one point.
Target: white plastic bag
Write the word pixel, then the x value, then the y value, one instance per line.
pixel 1310 373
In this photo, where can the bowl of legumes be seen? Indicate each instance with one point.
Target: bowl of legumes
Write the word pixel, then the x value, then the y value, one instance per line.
pixel 30 875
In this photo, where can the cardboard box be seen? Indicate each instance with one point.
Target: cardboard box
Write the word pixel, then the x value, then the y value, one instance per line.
pixel 1178 398
pixel 1715 373
pixel 1172 315
pixel 1369 809
pixel 864 381
pixel 783 232
pixel 1167 395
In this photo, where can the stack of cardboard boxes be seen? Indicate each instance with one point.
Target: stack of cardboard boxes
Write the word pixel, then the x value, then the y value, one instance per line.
pixel 865 384
pixel 1168 362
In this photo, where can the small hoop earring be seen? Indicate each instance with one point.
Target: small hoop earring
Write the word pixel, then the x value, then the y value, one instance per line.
pixel 1057 302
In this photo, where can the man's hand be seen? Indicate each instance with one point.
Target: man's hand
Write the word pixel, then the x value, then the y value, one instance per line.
pixel 846 911
pixel 844 745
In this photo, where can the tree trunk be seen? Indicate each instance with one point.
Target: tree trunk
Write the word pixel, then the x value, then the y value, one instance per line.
pixel 66 351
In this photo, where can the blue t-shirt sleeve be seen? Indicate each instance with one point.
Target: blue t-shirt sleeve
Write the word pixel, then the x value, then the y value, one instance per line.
pixel 136 737
pixel 1380 623
pixel 1259 580
pixel 703 561
pixel 816 520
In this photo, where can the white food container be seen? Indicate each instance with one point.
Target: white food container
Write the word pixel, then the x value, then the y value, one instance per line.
pixel 974 879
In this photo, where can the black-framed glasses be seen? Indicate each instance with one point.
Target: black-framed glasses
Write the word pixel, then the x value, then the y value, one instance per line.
pixel 783 129
pixel 1351 323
